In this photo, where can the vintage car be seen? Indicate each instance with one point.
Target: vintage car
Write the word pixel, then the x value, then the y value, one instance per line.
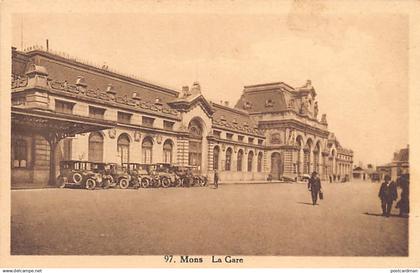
pixel 189 176
pixel 118 176
pixel 78 174
pixel 139 176
pixel 144 173
pixel 166 174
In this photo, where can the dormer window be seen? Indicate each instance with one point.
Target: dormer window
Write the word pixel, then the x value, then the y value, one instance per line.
pixel 246 124
pixel 222 118
pixel 135 96
pixel 269 103
pixel 247 105
pixel 234 121
pixel 158 101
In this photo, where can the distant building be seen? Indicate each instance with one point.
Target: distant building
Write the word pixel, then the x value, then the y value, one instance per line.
pixel 64 109
pixel 366 174
pixel 399 165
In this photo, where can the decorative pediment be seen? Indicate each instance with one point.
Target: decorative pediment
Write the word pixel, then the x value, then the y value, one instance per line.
pixel 186 104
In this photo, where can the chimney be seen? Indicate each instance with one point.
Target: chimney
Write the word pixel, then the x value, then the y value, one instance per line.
pixel 226 103
pixel 47 45
pixel 185 90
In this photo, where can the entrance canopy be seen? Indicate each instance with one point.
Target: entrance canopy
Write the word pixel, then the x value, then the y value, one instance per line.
pixel 46 122
pixel 54 126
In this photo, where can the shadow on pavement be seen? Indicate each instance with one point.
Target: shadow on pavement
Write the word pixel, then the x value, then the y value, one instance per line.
pixel 306 203
pixel 380 214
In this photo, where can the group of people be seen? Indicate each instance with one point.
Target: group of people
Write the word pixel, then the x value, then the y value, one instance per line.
pixel 388 194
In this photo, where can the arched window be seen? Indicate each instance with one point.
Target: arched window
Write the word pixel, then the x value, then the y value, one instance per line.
pixel 96 147
pixel 147 148
pixel 228 159
pixel 123 148
pixel 250 160
pixel 216 152
pixel 239 162
pixel 195 143
pixel 259 162
pixel 167 151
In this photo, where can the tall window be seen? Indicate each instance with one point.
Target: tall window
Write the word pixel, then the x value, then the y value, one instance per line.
pixel 228 159
pixel 147 121
pixel 123 148
pixel 216 152
pixel 250 160
pixel 20 153
pixel 259 162
pixel 147 148
pixel 167 151
pixel 124 117
pixel 168 125
pixel 95 112
pixel 239 162
pixel 64 107
pixel 195 143
pixel 96 147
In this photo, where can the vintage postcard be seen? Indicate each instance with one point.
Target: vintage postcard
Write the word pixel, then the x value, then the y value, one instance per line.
pixel 209 134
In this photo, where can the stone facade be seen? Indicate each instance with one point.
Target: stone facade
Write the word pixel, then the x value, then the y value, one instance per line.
pixel 273 129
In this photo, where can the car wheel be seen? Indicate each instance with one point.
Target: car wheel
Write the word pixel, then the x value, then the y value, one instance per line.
pixel 203 181
pixel 105 183
pixel 145 182
pixel 110 180
pixel 124 183
pixel 178 182
pixel 166 182
pixel 157 183
pixel 90 184
pixel 77 178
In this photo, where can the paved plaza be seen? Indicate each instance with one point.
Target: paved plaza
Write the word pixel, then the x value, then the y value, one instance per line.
pixel 238 219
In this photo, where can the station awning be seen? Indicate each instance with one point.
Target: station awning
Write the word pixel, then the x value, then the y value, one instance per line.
pixel 57 123
pixel 54 127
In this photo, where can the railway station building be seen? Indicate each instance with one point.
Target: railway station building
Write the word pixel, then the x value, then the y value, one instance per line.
pixel 65 109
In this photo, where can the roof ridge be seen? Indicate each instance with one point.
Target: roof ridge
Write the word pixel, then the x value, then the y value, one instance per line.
pixel 120 75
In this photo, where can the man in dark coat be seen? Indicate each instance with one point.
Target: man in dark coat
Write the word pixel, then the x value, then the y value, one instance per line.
pixel 403 203
pixel 387 194
pixel 314 185
pixel 216 179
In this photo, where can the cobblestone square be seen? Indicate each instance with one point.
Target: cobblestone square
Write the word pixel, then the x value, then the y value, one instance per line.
pixel 237 219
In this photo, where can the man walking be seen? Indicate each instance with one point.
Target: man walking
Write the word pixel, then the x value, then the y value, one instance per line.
pixel 387 194
pixel 314 185
pixel 216 179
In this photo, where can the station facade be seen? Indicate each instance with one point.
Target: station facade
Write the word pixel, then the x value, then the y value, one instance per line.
pixel 63 109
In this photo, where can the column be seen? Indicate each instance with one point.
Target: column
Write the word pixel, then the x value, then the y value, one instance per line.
pixel 182 151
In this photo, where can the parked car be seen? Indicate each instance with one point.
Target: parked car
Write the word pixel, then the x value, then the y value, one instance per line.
pixel 77 174
pixel 149 176
pixel 118 176
pixel 166 174
pixel 139 176
pixel 189 176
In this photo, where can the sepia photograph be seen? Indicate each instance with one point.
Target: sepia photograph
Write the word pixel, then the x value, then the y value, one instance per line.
pixel 207 137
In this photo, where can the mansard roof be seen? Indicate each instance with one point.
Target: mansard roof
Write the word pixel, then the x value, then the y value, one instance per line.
pixel 235 120
pixel 62 69
pixel 264 98
pixel 273 97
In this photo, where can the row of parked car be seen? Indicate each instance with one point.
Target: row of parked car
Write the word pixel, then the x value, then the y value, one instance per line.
pixel 91 175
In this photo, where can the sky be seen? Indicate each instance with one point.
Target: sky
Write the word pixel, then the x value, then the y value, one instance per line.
pixel 358 64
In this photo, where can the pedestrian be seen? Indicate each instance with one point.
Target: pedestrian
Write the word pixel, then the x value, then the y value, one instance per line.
pixel 314 186
pixel 403 203
pixel 387 194
pixel 216 179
